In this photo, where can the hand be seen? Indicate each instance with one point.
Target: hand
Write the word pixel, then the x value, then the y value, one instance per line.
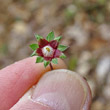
pixel 56 90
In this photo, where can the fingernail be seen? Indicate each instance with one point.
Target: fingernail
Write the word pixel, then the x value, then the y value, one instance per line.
pixel 55 100
pixel 61 90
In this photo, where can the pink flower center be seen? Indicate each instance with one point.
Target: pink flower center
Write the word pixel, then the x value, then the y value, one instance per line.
pixel 48 51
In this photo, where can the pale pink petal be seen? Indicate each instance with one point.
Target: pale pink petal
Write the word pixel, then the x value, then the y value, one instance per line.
pixel 57 53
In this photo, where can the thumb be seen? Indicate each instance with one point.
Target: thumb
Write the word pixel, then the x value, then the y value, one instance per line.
pixel 57 90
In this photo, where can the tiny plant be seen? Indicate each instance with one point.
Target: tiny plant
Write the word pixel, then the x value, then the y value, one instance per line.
pixel 48 50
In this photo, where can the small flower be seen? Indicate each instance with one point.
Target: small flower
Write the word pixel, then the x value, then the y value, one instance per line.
pixel 48 50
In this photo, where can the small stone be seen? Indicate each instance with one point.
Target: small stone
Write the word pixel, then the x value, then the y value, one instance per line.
pixel 104 30
pixel 103 68
pixel 83 64
pixel 106 92
pixel 20 27
pixel 71 10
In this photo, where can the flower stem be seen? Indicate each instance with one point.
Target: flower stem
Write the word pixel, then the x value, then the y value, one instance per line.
pixel 51 67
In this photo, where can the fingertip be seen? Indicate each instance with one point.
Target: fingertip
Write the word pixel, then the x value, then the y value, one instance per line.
pixel 17 78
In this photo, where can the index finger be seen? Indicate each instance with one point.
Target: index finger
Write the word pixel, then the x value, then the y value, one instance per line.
pixel 17 78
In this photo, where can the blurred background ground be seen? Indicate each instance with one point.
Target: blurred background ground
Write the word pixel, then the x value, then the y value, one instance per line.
pixel 84 25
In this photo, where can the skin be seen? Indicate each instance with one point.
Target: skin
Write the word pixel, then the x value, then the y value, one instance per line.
pixel 59 89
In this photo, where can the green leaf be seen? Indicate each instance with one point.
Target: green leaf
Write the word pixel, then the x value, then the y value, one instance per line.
pixel 34 54
pixel 62 47
pixel 39 59
pixel 55 61
pixel 38 37
pixel 58 38
pixel 63 56
pixel 46 63
pixel 50 36
pixel 34 46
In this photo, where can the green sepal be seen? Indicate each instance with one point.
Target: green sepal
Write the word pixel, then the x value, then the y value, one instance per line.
pixel 58 38
pixel 55 61
pixel 63 56
pixel 50 36
pixel 34 46
pixel 38 37
pixel 34 54
pixel 46 63
pixel 62 47
pixel 39 59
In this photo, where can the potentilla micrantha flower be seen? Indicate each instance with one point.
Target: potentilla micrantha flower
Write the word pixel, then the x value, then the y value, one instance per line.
pixel 48 50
